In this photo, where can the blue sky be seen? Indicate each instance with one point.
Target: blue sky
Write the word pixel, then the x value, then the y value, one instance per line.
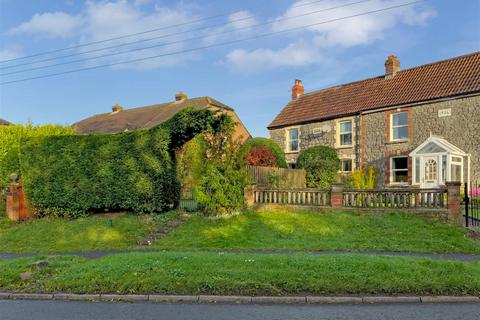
pixel 254 77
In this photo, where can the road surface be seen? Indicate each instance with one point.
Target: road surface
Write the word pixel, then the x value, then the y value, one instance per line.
pixel 53 310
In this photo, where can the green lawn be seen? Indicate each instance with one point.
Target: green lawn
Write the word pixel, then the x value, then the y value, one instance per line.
pixel 92 233
pixel 317 231
pixel 246 274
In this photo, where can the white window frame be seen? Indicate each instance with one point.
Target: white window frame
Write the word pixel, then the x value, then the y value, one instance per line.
pixel 398 126
pixel 287 133
pixel 453 162
pixel 340 145
pixel 392 170
pixel 341 165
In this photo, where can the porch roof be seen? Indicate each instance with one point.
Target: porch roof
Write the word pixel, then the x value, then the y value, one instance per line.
pixel 436 144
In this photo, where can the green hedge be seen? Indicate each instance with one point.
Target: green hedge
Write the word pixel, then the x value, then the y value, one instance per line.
pixel 272 146
pixel 71 175
pixel 10 141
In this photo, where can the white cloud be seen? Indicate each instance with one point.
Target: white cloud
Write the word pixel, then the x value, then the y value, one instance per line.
pixel 49 25
pixel 11 52
pixel 238 24
pixel 353 31
pixel 294 55
pixel 344 33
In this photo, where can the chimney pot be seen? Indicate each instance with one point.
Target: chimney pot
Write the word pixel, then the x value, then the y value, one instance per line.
pixel 297 89
pixel 180 96
pixel 392 66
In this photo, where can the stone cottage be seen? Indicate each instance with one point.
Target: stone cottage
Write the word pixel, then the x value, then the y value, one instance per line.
pixel 419 126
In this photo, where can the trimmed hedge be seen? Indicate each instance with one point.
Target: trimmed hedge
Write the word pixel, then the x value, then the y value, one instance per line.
pixel 10 141
pixel 264 143
pixel 74 175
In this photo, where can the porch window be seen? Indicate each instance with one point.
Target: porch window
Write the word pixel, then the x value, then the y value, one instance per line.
pixel 456 169
pixel 444 168
pixel 399 170
pixel 417 170
pixel 346 133
pixel 399 125
pixel 346 165
pixel 293 140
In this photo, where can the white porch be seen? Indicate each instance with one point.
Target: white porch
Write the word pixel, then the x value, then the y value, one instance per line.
pixel 437 161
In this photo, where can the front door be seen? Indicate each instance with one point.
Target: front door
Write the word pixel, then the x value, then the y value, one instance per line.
pixel 430 173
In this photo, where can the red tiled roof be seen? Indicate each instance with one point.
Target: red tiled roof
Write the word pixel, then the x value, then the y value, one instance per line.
pixel 447 78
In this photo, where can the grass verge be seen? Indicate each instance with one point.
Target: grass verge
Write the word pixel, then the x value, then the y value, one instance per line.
pixel 94 233
pixel 314 231
pixel 246 274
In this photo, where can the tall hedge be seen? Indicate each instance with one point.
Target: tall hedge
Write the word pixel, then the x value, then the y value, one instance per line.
pixel 133 171
pixel 11 138
pixel 262 144
pixel 72 175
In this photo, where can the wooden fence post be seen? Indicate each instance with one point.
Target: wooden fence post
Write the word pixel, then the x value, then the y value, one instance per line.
pixel 337 195
pixel 454 203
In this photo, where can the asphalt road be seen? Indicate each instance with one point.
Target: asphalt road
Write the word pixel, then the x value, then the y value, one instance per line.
pixel 53 310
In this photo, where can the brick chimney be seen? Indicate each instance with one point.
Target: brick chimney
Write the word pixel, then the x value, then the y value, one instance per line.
pixel 392 66
pixel 116 108
pixel 297 89
pixel 181 96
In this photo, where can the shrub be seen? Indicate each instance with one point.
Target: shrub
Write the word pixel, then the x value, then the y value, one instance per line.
pixel 10 141
pixel 221 189
pixel 190 163
pixel 365 178
pixel 78 174
pixel 128 171
pixel 321 164
pixel 261 156
pixel 253 146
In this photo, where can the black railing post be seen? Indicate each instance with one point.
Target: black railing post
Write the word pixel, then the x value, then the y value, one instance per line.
pixel 466 200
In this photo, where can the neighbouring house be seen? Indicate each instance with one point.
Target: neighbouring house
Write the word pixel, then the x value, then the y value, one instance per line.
pixel 420 126
pixel 4 122
pixel 121 120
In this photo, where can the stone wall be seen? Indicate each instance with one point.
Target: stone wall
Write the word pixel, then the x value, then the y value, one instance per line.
pixel 309 138
pixel 461 128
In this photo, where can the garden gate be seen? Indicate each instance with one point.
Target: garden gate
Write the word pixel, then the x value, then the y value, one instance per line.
pixel 472 204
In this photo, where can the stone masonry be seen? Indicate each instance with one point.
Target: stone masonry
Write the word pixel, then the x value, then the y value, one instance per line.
pixel 461 128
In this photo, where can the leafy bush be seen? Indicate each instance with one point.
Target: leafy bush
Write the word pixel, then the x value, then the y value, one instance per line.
pixel 132 171
pixel 221 189
pixel 253 146
pixel 365 178
pixel 72 175
pixel 321 164
pixel 261 156
pixel 190 163
pixel 10 142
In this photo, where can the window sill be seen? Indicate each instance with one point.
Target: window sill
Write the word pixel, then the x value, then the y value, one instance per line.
pixel 398 184
pixel 398 141
pixel 344 147
pixel 291 152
